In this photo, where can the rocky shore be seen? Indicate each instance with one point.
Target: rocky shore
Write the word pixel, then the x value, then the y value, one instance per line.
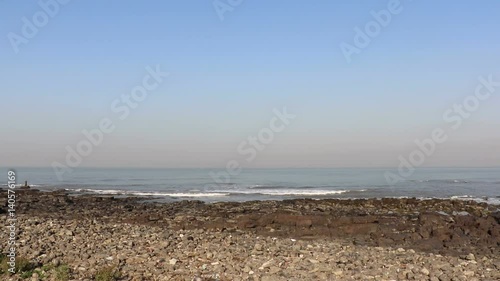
pixel 65 237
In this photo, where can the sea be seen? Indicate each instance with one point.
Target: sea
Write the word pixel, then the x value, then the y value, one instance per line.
pixel 480 184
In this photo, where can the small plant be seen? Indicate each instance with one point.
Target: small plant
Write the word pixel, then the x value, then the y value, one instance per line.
pixel 4 267
pixel 109 273
pixel 62 272
pixel 47 267
pixel 27 274
pixel 23 265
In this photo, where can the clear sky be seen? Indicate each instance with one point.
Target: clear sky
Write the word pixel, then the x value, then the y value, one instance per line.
pixel 227 76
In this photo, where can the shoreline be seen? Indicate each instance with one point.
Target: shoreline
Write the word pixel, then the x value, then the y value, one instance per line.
pixel 437 229
pixel 220 196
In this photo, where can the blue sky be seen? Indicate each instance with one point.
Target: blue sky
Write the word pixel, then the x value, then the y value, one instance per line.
pixel 227 76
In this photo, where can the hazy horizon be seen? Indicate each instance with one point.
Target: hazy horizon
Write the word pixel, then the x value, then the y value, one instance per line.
pixel 227 76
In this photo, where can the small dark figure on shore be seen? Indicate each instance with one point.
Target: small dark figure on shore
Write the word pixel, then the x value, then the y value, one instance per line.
pixel 25 186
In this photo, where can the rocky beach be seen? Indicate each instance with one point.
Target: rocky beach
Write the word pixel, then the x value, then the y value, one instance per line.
pixel 65 237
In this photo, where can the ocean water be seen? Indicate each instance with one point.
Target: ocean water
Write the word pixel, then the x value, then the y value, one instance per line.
pixel 270 184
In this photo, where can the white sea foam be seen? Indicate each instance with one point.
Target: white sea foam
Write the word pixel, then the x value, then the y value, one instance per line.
pixel 139 193
pixel 220 193
pixel 287 192
pixel 94 191
pixel 488 200
pixel 213 194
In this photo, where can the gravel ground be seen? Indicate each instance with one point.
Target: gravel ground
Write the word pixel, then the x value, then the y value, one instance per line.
pixel 60 237
pixel 140 252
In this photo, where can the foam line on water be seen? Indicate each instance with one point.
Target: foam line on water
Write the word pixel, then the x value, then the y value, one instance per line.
pixel 287 192
pixel 152 193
